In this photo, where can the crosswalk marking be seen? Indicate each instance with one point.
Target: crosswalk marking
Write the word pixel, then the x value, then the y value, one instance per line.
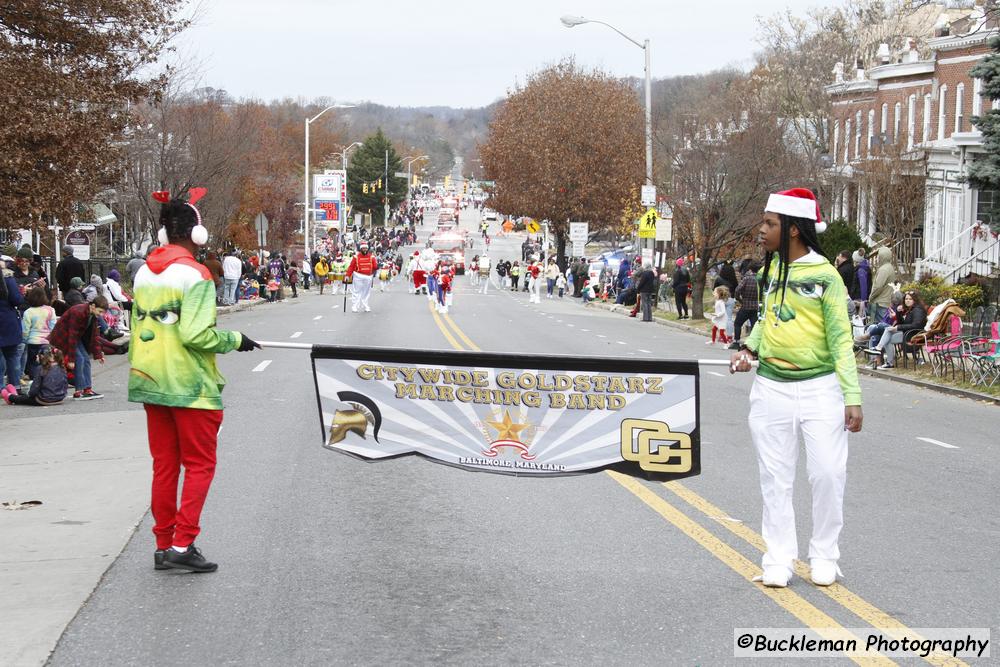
pixel 296 334
pixel 262 365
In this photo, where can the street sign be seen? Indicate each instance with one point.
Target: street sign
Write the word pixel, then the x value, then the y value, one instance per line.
pixel 665 229
pixel 80 242
pixel 260 222
pixel 648 195
pixel 579 248
pixel 402 174
pixel 663 208
pixel 533 227
pixel 647 256
pixel 647 224
pixel 578 231
pixel 83 228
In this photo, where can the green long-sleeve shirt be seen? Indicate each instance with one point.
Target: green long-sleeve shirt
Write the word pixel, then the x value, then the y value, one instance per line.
pixel 810 335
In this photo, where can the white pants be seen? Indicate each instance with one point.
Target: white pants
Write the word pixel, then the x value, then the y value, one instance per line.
pixel 382 284
pixel 535 289
pixel 474 278
pixel 779 413
pixel 486 285
pixel 361 289
pixel 336 285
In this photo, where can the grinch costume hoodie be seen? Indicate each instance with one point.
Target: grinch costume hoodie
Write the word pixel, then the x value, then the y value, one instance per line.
pixel 810 335
pixel 174 339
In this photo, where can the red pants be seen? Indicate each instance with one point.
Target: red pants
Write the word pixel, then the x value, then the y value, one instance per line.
pixel 721 333
pixel 419 278
pixel 180 437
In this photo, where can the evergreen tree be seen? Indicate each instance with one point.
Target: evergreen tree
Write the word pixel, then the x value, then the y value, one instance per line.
pixel 367 167
pixel 984 172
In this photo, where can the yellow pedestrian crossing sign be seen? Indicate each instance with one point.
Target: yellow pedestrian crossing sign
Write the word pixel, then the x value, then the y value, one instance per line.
pixel 647 224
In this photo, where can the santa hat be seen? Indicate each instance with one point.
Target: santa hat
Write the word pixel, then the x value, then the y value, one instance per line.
pixel 797 203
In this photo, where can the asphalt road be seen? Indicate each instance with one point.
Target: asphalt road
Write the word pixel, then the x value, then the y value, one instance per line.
pixel 325 559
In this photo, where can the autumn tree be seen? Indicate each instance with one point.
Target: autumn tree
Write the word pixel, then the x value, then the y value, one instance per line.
pixel 727 153
pixel 69 72
pixel 370 164
pixel 566 145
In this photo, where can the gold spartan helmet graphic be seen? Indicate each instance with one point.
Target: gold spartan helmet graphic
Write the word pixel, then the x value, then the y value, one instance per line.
pixel 365 411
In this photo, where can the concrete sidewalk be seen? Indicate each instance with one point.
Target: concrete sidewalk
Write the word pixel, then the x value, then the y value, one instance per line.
pixel 92 475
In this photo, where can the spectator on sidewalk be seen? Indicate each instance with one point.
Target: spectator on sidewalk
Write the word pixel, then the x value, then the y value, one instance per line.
pixel 232 269
pixel 681 284
pixel 113 288
pixel 748 296
pixel 11 302
pixel 48 386
pixel 94 289
pixel 133 266
pixel 68 268
pixel 36 325
pixel 862 276
pixel 74 294
pixel 24 274
pixel 307 271
pixel 77 335
pixel 845 267
pixel 911 316
pixel 214 267
pixel 880 299
pixel 293 279
pixel 645 287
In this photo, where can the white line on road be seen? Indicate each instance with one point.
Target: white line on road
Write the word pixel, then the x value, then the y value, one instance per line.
pixel 296 334
pixel 621 342
pixel 569 325
pixel 646 351
pixel 587 330
pixel 318 317
pixel 601 336
pixel 262 365
pixel 716 374
pixel 938 443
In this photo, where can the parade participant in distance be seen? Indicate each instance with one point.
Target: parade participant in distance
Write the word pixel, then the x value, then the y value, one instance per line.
pixel 807 384
pixel 445 275
pixel 338 269
pixel 384 276
pixel 174 376
pixel 484 272
pixel 360 273
pixel 428 261
pixel 533 274
pixel 414 273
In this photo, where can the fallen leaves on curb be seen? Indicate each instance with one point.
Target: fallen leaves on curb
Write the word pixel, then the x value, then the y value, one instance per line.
pixel 27 504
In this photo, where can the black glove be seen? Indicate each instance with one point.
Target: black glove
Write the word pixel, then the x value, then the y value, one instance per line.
pixel 247 344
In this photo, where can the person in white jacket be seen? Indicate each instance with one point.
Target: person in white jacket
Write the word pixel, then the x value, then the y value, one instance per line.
pixel 719 318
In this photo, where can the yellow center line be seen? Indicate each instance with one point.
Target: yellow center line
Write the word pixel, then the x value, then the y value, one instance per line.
pixel 854 603
pixel 461 334
pixel 787 599
pixel 447 334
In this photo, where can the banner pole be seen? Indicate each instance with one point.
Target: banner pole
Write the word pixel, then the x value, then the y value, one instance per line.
pixel 288 346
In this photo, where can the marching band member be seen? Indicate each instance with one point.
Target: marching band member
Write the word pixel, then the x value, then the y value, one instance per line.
pixel 806 386
pixel 338 267
pixel 360 273
pixel 484 271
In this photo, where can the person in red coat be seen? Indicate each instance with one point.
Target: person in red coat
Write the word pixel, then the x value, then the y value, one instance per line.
pixel 77 335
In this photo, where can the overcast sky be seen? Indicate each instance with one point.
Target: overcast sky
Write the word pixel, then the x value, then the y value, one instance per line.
pixel 425 52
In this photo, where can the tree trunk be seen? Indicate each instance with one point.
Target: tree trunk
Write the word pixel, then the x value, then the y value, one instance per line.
pixel 561 251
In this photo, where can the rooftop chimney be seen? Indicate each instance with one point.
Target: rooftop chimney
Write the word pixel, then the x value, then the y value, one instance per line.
pixel 911 55
pixel 883 54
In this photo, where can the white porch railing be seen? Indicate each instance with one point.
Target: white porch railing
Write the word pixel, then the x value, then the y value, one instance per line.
pixel 942 260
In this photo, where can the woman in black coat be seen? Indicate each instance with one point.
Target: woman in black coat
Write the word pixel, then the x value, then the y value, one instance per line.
pixel 681 283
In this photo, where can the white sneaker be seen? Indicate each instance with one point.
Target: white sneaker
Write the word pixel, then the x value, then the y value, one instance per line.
pixel 367 309
pixel 775 576
pixel 823 572
pixel 354 309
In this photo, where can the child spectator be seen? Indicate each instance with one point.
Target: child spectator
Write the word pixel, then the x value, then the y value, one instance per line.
pixel 273 285
pixel 48 386
pixel 719 318
pixel 561 284
pixel 36 325
pixel 588 291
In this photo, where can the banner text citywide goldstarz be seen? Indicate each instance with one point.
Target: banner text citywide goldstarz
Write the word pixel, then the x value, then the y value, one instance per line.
pixel 557 390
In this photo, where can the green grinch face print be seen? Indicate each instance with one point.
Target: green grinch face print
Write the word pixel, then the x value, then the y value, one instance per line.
pixel 159 362
pixel 799 319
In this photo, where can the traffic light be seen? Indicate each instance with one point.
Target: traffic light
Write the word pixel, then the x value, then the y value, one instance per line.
pixel 364 188
pixel 380 184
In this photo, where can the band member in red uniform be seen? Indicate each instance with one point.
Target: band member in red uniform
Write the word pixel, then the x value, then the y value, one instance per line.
pixel 361 273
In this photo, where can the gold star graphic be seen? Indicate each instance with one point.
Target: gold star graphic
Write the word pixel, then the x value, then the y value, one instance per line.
pixel 507 429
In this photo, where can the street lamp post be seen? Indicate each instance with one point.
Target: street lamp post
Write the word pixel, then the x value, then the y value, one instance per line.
pixel 409 178
pixel 570 21
pixel 305 209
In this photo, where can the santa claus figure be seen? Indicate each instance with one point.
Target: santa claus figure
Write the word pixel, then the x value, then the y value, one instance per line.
pixel 417 273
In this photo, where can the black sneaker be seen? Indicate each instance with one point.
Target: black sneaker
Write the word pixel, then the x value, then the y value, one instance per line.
pixel 191 560
pixel 158 556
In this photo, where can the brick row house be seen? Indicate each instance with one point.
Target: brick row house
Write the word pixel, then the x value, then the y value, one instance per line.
pixel 900 143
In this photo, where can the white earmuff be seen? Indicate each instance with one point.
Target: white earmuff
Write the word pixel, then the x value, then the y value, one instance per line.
pixel 199 234
pixel 161 236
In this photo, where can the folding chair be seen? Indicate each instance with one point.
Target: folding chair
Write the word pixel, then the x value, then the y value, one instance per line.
pixel 985 365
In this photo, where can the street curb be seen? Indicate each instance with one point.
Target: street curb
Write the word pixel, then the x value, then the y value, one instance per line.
pixel 952 391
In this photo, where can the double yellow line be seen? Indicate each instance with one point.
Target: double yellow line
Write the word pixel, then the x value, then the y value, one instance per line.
pixel 790 601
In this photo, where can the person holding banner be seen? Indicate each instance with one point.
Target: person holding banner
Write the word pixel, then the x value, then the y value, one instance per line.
pixel 360 274
pixel 807 384
pixel 174 376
